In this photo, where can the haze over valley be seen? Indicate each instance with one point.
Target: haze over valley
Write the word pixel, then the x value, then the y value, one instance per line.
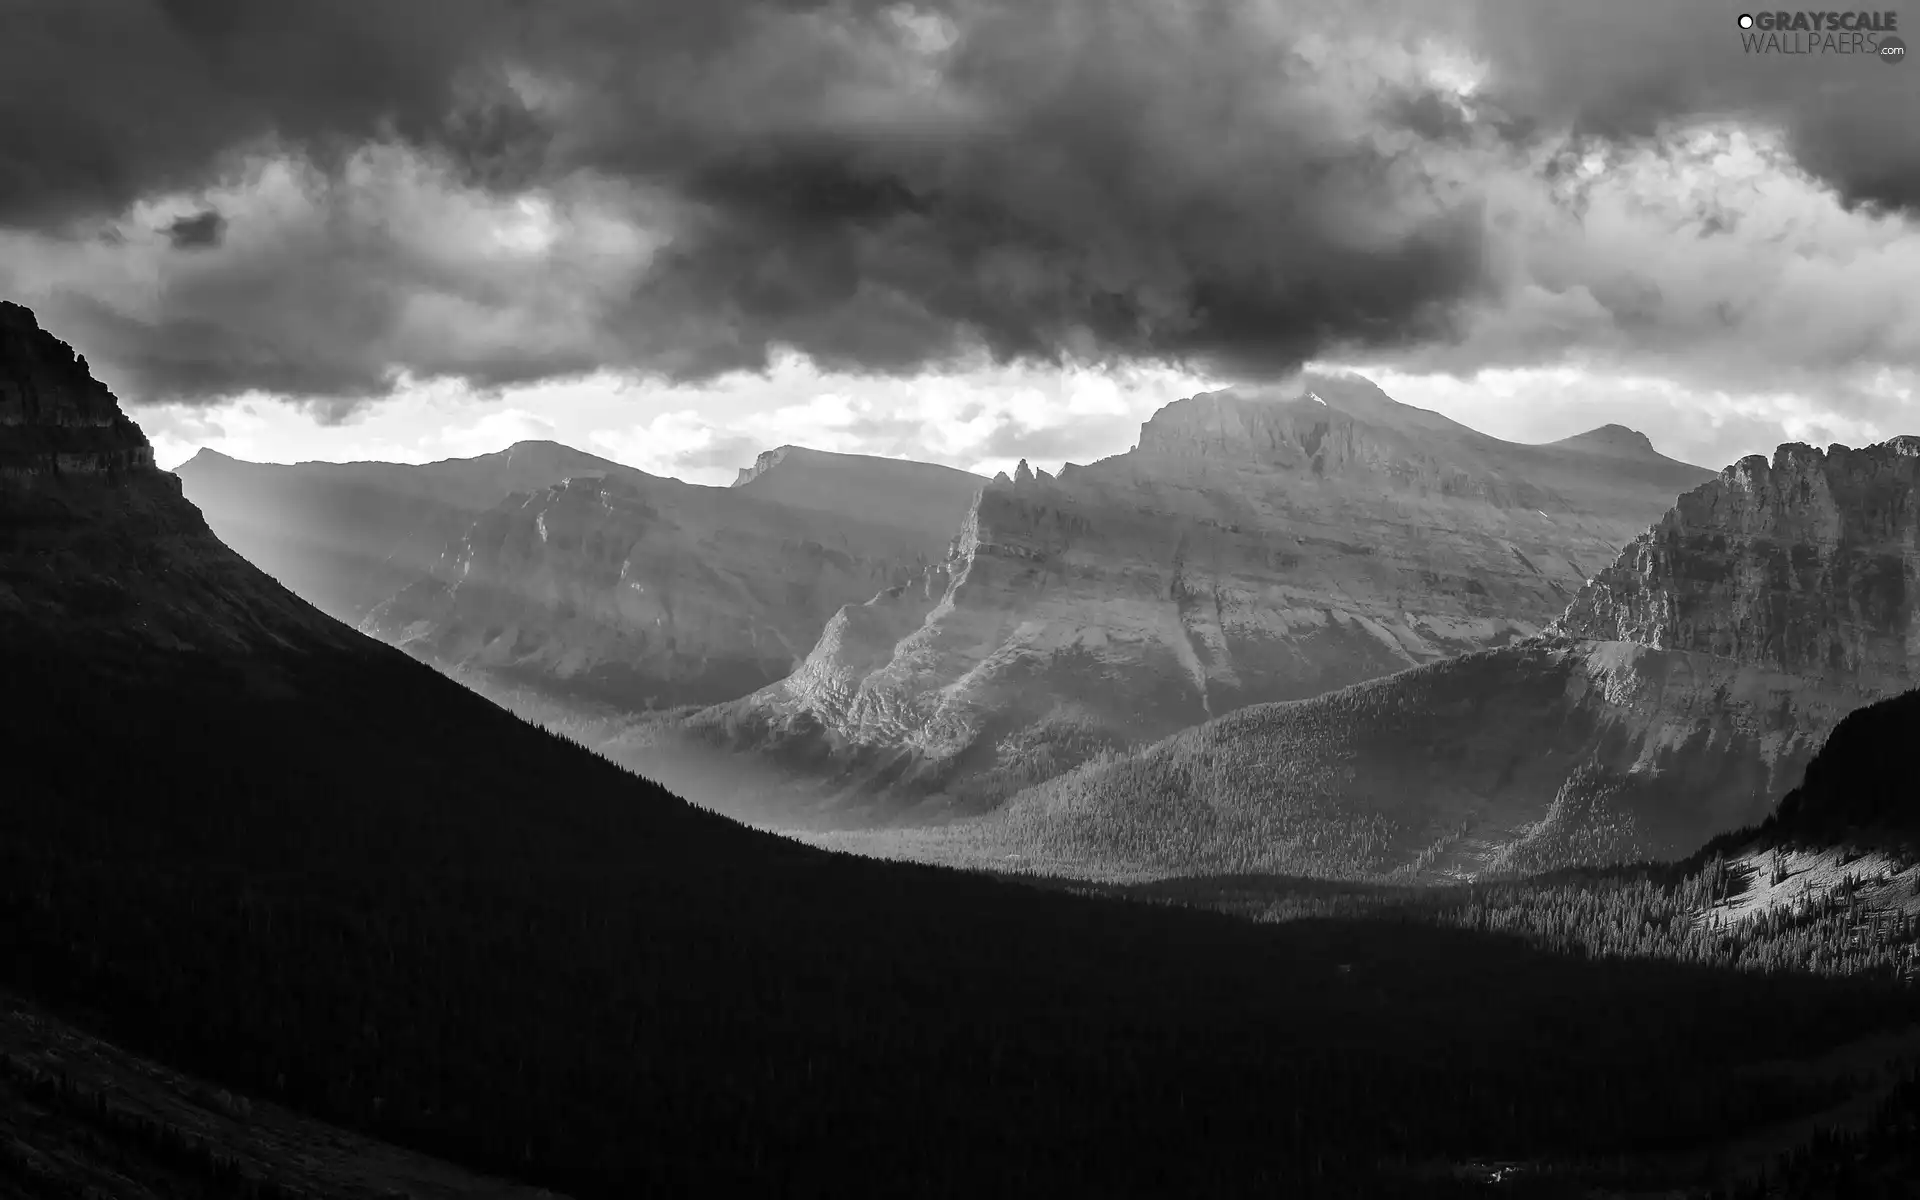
pixel 1315 632
pixel 958 599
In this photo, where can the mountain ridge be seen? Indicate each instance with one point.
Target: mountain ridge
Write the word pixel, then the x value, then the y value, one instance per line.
pixel 1712 575
pixel 370 896
pixel 641 593
pixel 1249 549
pixel 1662 709
pixel 746 578
pixel 1612 439
pixel 524 448
pixel 767 460
pixel 57 417
pixel 348 535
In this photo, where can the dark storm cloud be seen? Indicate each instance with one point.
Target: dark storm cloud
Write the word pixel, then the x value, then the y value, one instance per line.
pixel 103 101
pixel 1619 69
pixel 1044 193
pixel 1233 185
pixel 200 229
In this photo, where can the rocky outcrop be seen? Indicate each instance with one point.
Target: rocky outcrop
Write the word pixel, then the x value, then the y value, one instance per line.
pixel 1251 549
pixel 766 461
pixel 97 543
pixel 55 417
pixel 1683 691
pixel 1807 564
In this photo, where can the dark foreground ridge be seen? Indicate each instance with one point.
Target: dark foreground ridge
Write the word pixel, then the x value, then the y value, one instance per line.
pixel 1862 791
pixel 81 1117
pixel 242 839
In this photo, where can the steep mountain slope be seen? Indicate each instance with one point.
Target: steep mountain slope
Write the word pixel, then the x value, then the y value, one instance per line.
pixel 640 592
pixel 1805 564
pixel 1250 549
pixel 241 838
pixel 1858 791
pixel 1682 691
pixel 345 536
pixel 81 1117
pixel 648 592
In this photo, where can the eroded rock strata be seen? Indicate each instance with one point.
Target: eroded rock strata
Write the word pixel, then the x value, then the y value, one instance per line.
pixel 1252 548
pixel 1681 694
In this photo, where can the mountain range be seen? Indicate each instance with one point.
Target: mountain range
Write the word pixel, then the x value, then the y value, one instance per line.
pixel 1251 548
pixel 889 640
pixel 1680 694
pixel 583 579
pixel 346 536
pixel 243 839
pixel 1318 632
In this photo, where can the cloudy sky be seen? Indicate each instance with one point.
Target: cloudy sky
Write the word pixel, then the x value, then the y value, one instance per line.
pixel 679 231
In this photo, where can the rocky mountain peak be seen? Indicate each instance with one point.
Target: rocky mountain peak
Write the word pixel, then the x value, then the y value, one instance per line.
pixel 1611 439
pixel 207 456
pixel 1328 424
pixel 767 460
pixel 100 545
pixel 1804 563
pixel 55 417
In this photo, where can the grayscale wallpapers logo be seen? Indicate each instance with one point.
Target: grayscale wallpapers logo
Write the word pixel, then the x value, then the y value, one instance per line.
pixel 1868 34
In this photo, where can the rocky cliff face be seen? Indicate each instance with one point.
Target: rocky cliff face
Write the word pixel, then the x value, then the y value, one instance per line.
pixel 638 592
pixel 1252 548
pixel 1683 692
pixel 921 501
pixel 1806 564
pixel 55 418
pixel 98 544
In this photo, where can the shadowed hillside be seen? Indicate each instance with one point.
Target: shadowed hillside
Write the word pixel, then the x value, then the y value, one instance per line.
pixel 1863 787
pixel 250 842
pixel 81 1117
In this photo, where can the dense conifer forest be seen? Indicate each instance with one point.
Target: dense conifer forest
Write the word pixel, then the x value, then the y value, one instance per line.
pixel 1337 786
pixel 1665 912
pixel 341 882
pixel 1386 778
pixel 1880 1161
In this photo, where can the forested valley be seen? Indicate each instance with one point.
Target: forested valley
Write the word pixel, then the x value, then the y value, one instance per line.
pixel 383 900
